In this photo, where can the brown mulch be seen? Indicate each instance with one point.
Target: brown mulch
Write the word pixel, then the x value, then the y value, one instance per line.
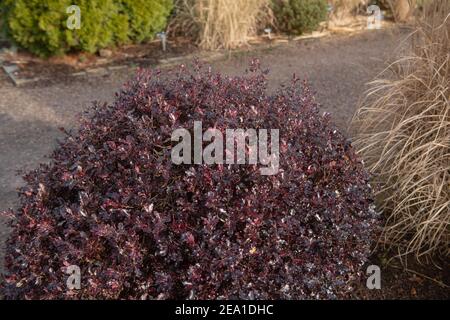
pixel 142 55
pixel 408 279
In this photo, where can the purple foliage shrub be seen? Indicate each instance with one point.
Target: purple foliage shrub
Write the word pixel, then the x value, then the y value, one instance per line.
pixel 140 227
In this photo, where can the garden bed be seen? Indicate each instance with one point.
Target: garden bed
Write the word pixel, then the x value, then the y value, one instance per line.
pixel 25 68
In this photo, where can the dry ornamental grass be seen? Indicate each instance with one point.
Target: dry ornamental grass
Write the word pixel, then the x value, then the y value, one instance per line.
pixel 402 131
pixel 218 24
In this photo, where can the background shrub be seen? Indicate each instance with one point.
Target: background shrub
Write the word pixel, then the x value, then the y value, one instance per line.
pixel 138 226
pixel 145 17
pixel 343 9
pixel 299 16
pixel 40 25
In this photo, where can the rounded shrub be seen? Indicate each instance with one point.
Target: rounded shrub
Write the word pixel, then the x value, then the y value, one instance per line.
pixel 141 227
pixel 299 16
pixel 40 26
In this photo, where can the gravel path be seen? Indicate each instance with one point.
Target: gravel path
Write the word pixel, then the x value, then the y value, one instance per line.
pixel 336 67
